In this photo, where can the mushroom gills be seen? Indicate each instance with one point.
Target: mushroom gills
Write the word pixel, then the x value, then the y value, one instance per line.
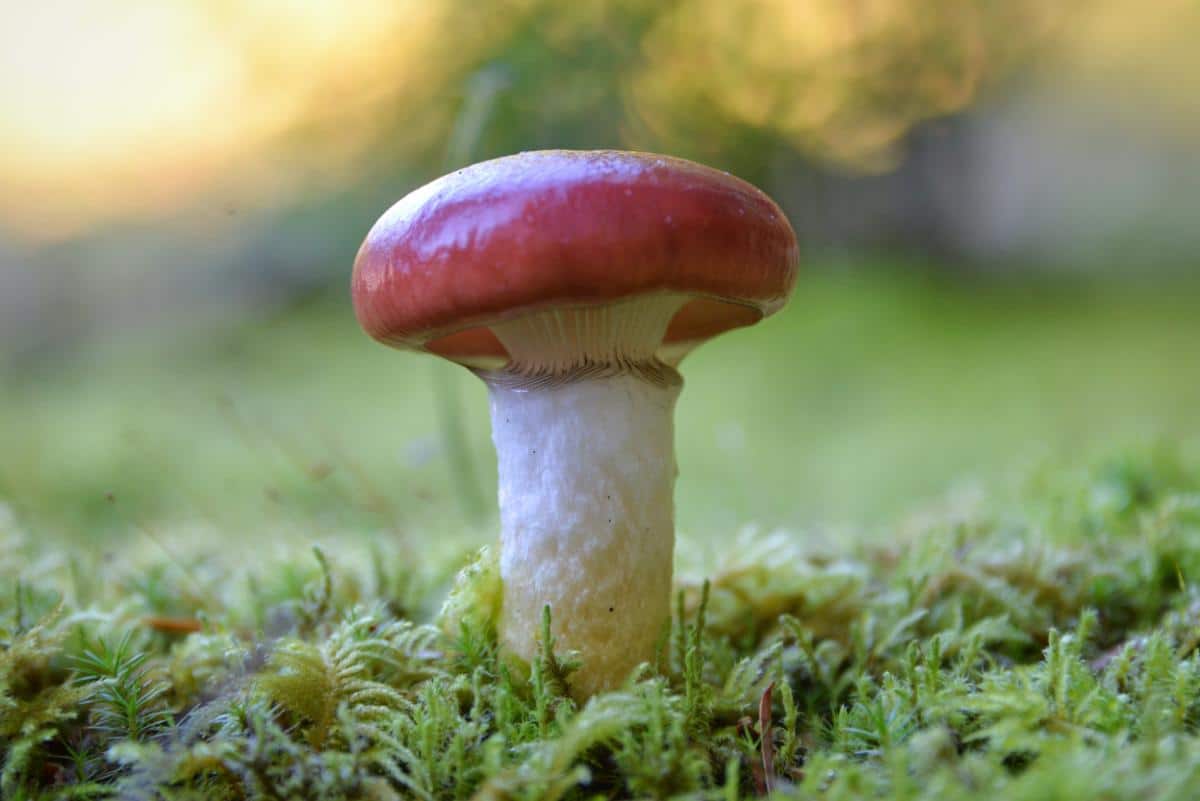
pixel 567 343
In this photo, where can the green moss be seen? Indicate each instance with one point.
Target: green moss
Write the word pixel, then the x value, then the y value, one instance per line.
pixel 1043 649
pixel 473 603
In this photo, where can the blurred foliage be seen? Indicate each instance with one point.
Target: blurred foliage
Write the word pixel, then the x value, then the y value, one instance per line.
pixel 167 103
pixel 873 392
pixel 840 81
pixel 737 83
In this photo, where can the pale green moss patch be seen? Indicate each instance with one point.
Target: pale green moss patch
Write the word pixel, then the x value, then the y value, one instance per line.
pixel 1046 648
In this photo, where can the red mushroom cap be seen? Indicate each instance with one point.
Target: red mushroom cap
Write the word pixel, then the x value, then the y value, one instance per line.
pixel 570 228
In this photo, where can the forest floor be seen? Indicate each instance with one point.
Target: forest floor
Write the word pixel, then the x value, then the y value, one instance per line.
pixel 943 541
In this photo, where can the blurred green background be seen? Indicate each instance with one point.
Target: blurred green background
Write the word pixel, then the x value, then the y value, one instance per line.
pixel 998 203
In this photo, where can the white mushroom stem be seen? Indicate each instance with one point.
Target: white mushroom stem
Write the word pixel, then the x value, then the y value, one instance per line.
pixel 584 436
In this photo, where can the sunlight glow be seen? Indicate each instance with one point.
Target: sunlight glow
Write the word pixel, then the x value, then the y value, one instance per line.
pixel 843 80
pixel 121 105
pixel 117 109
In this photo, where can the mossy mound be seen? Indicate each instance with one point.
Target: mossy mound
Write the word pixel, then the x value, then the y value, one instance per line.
pixel 1039 649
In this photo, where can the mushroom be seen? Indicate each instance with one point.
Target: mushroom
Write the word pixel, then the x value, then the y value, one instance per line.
pixel 572 283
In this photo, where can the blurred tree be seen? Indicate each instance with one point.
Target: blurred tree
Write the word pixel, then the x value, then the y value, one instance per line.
pixel 840 81
pixel 732 81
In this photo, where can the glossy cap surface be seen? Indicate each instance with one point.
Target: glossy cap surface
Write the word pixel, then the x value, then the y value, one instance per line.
pixel 570 228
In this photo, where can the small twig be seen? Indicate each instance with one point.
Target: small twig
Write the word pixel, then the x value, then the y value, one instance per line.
pixel 766 738
pixel 172 625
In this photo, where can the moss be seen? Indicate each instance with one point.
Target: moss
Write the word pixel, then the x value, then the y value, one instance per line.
pixel 1041 649
pixel 474 600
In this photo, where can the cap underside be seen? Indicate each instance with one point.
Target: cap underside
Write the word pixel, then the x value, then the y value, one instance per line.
pixel 698 319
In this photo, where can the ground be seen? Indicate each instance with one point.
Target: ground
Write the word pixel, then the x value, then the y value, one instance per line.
pixel 214 594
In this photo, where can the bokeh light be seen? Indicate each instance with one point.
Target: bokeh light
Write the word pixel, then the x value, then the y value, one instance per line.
pixel 120 109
